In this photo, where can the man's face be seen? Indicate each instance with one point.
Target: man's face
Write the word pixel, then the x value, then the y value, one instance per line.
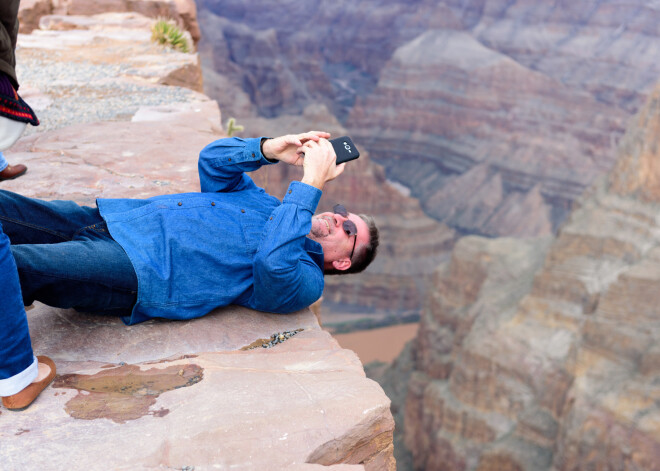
pixel 328 230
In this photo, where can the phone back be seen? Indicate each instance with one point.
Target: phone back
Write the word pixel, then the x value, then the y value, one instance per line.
pixel 345 149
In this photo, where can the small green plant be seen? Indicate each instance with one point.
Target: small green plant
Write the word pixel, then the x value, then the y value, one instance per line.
pixel 232 127
pixel 166 32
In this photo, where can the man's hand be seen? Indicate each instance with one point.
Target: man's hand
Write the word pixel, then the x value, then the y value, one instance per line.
pixel 289 148
pixel 320 163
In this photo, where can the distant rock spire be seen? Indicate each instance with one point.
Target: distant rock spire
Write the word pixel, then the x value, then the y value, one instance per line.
pixel 637 171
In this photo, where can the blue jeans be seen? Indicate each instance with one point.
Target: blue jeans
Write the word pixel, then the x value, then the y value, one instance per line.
pixel 18 367
pixel 64 257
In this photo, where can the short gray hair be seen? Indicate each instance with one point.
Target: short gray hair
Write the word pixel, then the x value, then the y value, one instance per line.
pixel 365 254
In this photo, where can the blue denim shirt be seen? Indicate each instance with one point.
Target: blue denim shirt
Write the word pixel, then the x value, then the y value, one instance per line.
pixel 230 244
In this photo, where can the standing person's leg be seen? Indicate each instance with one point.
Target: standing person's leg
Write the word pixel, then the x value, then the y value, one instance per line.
pixel 22 376
pixel 9 172
pixel 15 114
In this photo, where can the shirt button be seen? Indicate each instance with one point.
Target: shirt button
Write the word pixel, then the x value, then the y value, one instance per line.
pixel 252 154
pixel 179 203
pixel 212 203
pixel 229 159
pixel 289 191
pixel 271 218
pixel 242 210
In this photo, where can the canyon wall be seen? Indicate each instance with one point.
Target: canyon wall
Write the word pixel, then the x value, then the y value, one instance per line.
pixel 496 114
pixel 535 356
pixel 499 149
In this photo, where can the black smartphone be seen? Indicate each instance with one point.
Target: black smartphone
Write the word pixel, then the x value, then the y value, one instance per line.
pixel 345 149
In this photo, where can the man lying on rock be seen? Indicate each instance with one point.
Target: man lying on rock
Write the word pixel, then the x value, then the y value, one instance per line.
pixel 176 256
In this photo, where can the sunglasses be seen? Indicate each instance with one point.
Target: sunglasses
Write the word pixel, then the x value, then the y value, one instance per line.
pixel 349 226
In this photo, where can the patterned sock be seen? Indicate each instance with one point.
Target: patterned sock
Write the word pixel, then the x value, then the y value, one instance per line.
pixel 12 105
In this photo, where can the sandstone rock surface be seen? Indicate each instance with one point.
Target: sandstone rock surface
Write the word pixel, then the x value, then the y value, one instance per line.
pixel 185 394
pixel 183 12
pixel 166 394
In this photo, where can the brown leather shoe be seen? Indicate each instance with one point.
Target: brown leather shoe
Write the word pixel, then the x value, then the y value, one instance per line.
pixel 24 398
pixel 12 171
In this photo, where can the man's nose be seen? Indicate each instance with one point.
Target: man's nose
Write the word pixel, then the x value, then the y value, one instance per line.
pixel 340 219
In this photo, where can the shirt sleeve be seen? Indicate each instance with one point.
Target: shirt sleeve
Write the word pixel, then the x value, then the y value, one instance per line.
pixel 223 163
pixel 286 278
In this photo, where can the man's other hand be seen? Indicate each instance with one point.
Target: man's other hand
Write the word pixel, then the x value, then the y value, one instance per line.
pixel 289 148
pixel 320 163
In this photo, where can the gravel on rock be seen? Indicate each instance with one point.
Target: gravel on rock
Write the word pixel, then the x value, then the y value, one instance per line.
pixel 85 92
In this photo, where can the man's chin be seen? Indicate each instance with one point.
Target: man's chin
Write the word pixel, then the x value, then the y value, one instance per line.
pixel 317 231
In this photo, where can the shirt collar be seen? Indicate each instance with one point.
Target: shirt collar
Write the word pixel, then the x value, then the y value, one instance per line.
pixel 315 250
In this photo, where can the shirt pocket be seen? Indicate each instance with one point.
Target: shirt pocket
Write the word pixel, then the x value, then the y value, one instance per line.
pixel 252 231
pixel 254 216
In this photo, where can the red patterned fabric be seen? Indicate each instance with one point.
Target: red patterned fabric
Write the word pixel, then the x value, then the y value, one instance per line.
pixel 12 106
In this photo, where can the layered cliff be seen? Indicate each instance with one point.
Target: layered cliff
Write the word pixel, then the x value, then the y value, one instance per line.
pixel 235 389
pixel 499 149
pixel 533 362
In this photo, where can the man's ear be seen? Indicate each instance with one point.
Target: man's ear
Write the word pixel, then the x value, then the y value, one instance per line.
pixel 342 264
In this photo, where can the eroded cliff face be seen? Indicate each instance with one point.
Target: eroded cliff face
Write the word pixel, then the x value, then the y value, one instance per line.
pixel 526 363
pixel 504 149
pixel 522 100
pixel 236 389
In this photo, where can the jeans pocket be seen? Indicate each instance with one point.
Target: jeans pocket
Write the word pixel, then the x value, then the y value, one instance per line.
pixel 95 230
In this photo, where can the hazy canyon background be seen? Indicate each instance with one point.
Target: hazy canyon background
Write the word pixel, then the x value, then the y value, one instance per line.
pixel 516 218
